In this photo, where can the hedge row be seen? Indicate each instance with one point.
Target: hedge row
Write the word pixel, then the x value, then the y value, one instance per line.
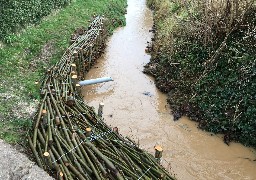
pixel 17 14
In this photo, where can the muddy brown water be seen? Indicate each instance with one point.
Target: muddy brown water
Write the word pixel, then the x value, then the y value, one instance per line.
pixel 139 110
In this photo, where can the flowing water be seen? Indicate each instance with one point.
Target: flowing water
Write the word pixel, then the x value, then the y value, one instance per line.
pixel 139 110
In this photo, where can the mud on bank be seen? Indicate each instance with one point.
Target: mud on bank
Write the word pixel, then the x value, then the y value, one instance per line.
pixel 203 56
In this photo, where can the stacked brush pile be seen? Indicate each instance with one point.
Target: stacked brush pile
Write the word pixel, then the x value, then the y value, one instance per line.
pixel 69 140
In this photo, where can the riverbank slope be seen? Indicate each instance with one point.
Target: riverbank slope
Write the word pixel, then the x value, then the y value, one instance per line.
pixel 203 56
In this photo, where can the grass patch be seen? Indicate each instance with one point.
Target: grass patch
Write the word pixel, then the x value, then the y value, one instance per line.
pixel 12 130
pixel 26 56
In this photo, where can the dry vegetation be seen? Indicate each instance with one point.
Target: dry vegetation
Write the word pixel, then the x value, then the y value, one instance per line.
pixel 203 56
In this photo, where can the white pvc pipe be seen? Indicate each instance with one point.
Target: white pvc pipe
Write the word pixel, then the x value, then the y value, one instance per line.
pixel 95 81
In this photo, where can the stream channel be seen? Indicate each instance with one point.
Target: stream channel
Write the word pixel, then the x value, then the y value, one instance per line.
pixel 139 110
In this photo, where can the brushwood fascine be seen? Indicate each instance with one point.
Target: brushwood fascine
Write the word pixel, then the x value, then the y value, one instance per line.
pixel 69 140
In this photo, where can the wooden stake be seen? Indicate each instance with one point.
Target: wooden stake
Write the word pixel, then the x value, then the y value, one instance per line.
pixel 115 129
pixel 44 116
pixel 90 56
pixel 100 110
pixel 70 101
pixel 88 132
pixel 74 79
pixel 57 120
pixel 37 84
pixel 73 73
pixel 158 151
pixel 46 154
pixel 61 174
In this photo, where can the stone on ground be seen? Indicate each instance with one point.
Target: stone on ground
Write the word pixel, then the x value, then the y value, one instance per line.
pixel 16 166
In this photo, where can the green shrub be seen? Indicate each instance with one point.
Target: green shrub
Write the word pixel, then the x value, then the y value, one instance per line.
pixel 205 60
pixel 17 14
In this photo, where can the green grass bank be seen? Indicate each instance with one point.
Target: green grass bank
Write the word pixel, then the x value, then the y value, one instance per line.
pixel 15 15
pixel 27 54
pixel 203 56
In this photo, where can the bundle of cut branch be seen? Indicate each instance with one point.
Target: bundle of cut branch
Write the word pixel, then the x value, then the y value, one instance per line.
pixel 69 140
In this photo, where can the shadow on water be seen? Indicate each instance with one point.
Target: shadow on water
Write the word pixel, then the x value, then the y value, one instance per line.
pixel 139 110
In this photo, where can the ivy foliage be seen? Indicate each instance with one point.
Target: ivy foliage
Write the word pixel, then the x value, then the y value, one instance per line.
pixel 226 96
pixel 207 65
pixel 17 14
